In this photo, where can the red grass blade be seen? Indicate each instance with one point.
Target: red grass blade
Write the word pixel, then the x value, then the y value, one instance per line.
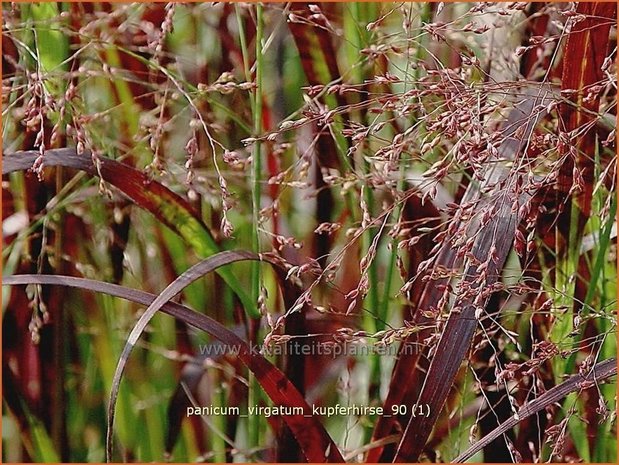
pixel 458 333
pixel 498 234
pixel 537 23
pixel 599 372
pixel 588 40
pixel 313 440
pixel 407 378
pixel 148 194
pixel 314 42
pixel 318 58
pixel 328 450
pixel 168 207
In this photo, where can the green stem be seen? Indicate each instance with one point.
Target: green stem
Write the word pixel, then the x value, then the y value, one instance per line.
pixel 245 53
pixel 219 423
pixel 257 155
pixel 253 394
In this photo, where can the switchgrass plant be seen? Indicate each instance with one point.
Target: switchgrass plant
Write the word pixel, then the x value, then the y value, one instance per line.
pixel 290 183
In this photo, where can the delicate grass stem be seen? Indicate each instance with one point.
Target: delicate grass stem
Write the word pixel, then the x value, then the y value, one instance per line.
pixel 219 423
pixel 256 278
pixel 253 422
pixel 245 53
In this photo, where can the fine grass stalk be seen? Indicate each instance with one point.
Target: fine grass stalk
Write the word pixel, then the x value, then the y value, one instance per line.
pixel 256 278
